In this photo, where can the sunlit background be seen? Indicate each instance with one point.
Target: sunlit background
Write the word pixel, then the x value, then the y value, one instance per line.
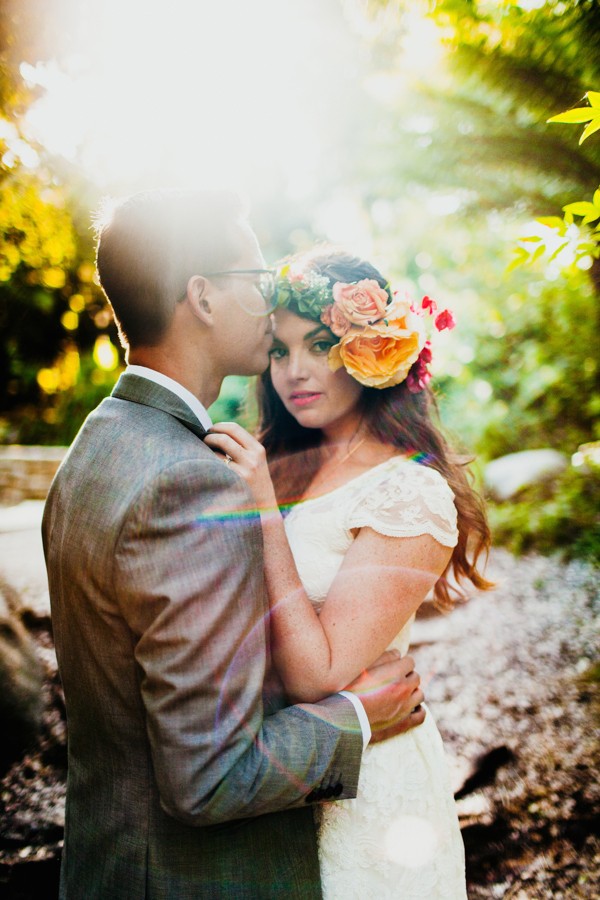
pixel 271 98
pixel 251 95
pixel 411 132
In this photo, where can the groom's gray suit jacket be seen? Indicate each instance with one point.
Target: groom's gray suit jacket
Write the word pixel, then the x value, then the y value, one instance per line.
pixel 180 750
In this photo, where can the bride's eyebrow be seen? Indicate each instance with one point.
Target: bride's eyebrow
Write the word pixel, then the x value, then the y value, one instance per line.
pixel 311 334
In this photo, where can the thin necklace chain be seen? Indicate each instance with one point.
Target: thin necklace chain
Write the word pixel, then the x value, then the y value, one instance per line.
pixel 321 481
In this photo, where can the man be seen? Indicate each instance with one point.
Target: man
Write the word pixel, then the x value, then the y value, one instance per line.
pixel 187 776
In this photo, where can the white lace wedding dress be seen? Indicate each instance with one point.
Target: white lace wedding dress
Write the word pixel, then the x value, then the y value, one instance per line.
pixel 400 836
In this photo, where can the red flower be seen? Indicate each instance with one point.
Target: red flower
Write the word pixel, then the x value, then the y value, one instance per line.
pixel 428 303
pixel 419 376
pixel 426 355
pixel 445 320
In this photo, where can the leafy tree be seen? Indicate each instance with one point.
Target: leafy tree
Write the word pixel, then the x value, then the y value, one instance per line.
pixel 480 124
pixel 50 309
pixel 472 136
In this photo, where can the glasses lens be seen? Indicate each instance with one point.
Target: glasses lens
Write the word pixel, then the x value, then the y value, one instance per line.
pixel 266 286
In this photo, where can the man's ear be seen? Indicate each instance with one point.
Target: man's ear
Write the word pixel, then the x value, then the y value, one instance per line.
pixel 198 297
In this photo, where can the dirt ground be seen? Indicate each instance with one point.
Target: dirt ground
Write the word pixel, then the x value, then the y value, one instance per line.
pixel 511 678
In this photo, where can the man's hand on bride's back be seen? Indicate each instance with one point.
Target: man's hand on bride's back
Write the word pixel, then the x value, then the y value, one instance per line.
pixel 391 695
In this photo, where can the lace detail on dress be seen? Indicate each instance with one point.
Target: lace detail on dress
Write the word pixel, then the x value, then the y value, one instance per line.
pixel 406 500
pixel 400 837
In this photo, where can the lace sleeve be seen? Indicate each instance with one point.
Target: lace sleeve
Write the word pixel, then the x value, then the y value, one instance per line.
pixel 406 500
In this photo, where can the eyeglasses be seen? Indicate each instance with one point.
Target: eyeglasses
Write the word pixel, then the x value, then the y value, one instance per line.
pixel 266 284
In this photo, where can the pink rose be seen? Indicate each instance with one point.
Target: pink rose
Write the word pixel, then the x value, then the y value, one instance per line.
pixel 445 320
pixel 428 304
pixel 295 277
pixel 361 303
pixel 335 319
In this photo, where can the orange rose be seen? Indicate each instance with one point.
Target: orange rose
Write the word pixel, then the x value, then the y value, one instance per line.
pixel 381 355
pixel 362 302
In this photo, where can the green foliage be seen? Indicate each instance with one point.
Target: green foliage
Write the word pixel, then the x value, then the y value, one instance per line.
pixel 50 307
pixel 563 515
pixel 590 114
pixel 37 252
pixel 476 132
pixel 235 402
pixel 55 419
pixel 477 123
pixel 582 241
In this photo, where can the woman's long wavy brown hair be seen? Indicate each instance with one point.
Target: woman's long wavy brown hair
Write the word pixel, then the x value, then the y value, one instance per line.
pixel 394 416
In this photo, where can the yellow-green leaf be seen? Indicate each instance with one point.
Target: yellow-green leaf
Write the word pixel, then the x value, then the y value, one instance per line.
pixel 519 258
pixel 591 128
pixel 581 208
pixel 573 116
pixel 596 200
pixel 539 251
pixel 533 239
pixel 551 221
pixel 558 250
pixel 594 98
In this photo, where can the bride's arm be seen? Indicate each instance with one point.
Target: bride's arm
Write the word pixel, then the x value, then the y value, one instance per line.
pixel 381 583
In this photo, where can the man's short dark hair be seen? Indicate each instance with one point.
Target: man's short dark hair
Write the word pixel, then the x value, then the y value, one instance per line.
pixel 149 246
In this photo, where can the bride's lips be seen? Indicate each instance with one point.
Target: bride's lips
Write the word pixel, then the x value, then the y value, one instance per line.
pixel 303 398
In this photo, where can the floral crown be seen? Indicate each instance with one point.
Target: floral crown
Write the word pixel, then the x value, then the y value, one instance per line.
pixel 382 335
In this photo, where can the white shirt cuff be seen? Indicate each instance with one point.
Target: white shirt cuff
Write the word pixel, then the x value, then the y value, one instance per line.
pixel 362 716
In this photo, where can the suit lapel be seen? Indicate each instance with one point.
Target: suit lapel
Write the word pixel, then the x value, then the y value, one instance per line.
pixel 148 393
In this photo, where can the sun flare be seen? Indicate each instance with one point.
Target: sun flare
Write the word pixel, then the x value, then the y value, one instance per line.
pixel 199 94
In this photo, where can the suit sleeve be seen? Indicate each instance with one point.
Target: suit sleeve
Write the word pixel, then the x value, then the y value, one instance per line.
pixel 189 581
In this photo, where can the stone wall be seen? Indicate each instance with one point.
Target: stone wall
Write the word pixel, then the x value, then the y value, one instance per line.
pixel 26 472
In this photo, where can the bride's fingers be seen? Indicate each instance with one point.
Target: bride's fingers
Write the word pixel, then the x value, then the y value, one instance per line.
pixel 235 431
pixel 251 460
pixel 225 445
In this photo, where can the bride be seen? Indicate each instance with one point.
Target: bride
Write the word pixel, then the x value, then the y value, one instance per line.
pixel 364 510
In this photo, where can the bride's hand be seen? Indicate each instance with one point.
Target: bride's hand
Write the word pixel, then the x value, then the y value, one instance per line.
pixel 246 456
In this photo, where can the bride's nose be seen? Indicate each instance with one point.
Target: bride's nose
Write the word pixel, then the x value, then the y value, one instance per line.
pixel 297 366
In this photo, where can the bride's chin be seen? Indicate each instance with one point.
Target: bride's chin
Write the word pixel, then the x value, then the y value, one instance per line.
pixel 307 418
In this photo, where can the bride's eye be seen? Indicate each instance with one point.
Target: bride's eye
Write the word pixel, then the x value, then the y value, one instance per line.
pixel 277 352
pixel 323 346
